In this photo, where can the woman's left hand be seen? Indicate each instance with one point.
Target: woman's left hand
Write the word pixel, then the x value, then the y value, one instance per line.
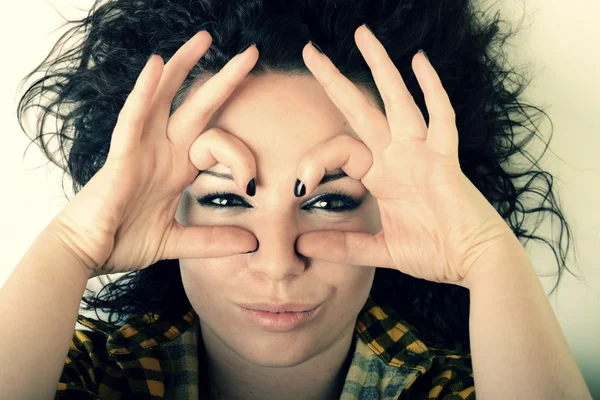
pixel 436 225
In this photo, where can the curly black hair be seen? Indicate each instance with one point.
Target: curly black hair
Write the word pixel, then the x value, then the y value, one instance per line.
pixel 94 65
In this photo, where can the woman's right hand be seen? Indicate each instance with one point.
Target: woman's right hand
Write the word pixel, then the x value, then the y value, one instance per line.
pixel 123 219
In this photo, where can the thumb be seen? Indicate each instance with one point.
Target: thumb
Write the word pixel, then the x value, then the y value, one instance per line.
pixel 207 242
pixel 342 247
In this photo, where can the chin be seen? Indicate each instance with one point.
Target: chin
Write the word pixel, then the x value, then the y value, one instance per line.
pixel 277 352
pixel 268 349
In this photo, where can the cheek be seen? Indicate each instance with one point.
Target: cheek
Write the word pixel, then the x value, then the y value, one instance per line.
pixel 208 281
pixel 183 209
pixel 371 215
pixel 190 213
pixel 351 286
pixel 349 283
pixel 365 219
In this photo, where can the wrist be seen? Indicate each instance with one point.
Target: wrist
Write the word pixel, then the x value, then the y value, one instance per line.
pixel 505 254
pixel 61 235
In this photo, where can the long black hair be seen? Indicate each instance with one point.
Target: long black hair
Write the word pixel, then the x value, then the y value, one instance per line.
pixel 93 67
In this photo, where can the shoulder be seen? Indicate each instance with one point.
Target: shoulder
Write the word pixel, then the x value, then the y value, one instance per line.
pixel 85 366
pixel 148 356
pixel 450 376
pixel 404 364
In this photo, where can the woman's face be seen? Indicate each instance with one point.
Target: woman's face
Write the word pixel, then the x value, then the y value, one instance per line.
pixel 279 118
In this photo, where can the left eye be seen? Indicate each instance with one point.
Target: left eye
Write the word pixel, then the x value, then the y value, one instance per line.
pixel 333 202
pixel 330 202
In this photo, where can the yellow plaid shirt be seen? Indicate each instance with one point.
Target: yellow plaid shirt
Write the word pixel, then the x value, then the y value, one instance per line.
pixel 150 358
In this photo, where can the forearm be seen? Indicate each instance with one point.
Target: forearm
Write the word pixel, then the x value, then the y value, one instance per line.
pixel 39 304
pixel 518 348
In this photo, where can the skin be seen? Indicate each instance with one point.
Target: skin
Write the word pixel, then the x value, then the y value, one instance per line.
pixel 279 119
pixel 435 225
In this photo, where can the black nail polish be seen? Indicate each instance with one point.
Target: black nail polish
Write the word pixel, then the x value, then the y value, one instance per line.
pixel 317 47
pixel 255 250
pixel 299 189
pixel 369 28
pixel 246 48
pixel 425 54
pixel 251 187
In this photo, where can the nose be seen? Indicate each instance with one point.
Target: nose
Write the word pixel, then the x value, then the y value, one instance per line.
pixel 276 257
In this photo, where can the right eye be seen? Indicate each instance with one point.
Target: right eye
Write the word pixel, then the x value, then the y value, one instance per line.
pixel 222 200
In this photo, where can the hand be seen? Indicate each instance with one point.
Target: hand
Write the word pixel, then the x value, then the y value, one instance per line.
pixel 123 218
pixel 435 224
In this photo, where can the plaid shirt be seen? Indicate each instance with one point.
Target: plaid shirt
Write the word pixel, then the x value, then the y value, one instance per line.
pixel 159 360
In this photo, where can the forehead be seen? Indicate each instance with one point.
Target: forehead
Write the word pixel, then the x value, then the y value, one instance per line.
pixel 280 118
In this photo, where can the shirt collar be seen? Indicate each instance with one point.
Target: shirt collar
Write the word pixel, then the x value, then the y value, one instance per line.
pixel 392 339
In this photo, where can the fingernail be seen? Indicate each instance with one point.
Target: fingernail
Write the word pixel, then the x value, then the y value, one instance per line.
pixel 369 28
pixel 254 251
pixel 316 47
pixel 300 189
pixel 246 48
pixel 425 54
pixel 251 187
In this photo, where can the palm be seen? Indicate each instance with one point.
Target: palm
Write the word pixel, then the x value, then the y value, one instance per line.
pixel 435 223
pixel 145 202
pixel 124 217
pixel 152 181
pixel 423 182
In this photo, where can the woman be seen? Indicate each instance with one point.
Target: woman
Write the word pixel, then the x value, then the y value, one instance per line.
pixel 294 224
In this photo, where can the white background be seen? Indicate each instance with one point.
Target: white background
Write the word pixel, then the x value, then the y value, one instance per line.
pixel 558 46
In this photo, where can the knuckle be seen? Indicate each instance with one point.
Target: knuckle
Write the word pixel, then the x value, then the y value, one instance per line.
pixel 126 124
pixel 213 137
pixel 446 115
pixel 213 133
pixel 123 118
pixel 248 166
pixel 333 80
pixel 328 84
pixel 363 118
pixel 347 248
pixel 379 63
pixel 394 100
pixel 347 140
pixel 310 158
pixel 131 115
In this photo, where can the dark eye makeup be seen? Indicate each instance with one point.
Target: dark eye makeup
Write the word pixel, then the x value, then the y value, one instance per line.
pixel 335 201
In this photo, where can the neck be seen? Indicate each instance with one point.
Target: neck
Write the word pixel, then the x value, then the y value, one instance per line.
pixel 230 377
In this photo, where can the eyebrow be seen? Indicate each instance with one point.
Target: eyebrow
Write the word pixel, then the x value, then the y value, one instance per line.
pixel 326 179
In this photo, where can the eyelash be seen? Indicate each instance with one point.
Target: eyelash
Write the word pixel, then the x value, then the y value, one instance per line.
pixel 348 203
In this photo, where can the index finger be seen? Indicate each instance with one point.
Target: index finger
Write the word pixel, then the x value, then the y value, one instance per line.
pixel 366 119
pixel 190 120
pixel 178 68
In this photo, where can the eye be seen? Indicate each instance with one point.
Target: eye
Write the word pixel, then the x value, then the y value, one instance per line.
pixel 333 202
pixel 222 200
pixel 330 202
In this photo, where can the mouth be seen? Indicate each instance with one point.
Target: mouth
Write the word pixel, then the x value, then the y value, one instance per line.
pixel 280 308
pixel 280 321
pixel 282 312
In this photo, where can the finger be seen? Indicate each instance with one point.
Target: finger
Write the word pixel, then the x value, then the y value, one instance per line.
pixel 132 117
pixel 207 242
pixel 403 114
pixel 340 152
pixel 217 146
pixel 366 119
pixel 442 136
pixel 341 247
pixel 175 72
pixel 191 118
